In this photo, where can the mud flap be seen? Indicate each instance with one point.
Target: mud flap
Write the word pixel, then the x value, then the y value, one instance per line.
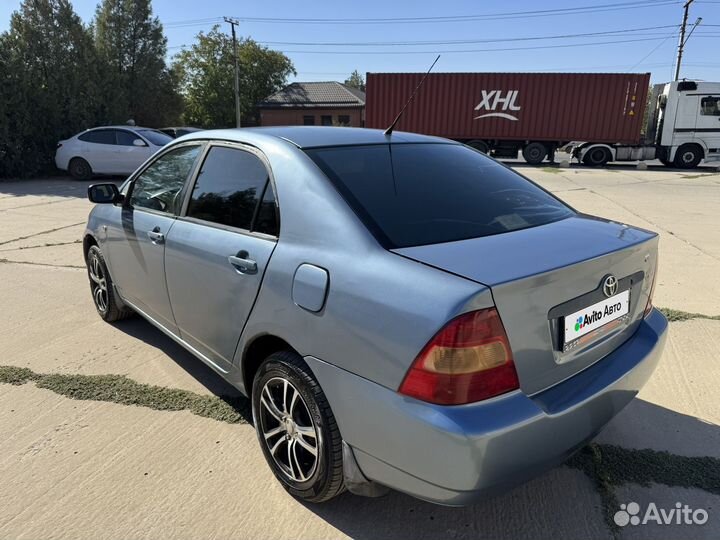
pixel 355 481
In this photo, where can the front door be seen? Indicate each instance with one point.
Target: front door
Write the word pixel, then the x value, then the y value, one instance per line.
pixel 128 156
pixel 218 250
pixel 137 246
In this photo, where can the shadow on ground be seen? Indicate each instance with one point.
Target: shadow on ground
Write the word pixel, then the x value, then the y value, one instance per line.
pixel 60 186
pixel 144 331
pixel 566 502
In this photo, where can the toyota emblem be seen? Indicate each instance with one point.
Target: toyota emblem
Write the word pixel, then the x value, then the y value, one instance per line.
pixel 610 286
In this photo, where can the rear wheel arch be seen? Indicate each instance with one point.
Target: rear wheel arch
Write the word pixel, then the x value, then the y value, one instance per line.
pixel 259 349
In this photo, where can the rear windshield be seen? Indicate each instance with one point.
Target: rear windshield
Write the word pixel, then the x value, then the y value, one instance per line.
pixel 415 194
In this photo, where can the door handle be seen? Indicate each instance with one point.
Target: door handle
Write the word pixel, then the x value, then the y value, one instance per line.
pixel 156 237
pixel 242 264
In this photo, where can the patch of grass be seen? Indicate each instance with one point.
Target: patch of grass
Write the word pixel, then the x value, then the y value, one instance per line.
pixel 609 466
pixel 16 375
pixel 122 390
pixel 674 315
pixel 590 461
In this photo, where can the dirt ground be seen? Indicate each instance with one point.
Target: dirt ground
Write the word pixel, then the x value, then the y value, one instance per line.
pixel 87 450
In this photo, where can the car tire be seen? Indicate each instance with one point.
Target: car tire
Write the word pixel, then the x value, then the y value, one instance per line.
pixel 102 290
pixel 292 419
pixel 688 156
pixel 534 153
pixel 80 169
pixel 597 157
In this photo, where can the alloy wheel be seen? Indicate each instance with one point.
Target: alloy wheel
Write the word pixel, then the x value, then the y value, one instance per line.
pixel 288 429
pixel 98 283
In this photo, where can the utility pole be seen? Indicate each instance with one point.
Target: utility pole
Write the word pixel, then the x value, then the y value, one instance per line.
pixel 681 43
pixel 233 22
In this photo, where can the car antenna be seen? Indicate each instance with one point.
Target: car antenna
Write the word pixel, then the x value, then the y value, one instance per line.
pixel 389 130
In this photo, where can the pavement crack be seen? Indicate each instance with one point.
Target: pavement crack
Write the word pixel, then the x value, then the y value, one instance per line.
pixel 32 263
pixel 34 204
pixel 42 246
pixel 40 233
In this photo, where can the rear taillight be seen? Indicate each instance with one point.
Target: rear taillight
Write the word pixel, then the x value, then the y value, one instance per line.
pixel 468 360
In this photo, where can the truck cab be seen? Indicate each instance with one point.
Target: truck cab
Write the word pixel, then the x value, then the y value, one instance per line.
pixel 688 123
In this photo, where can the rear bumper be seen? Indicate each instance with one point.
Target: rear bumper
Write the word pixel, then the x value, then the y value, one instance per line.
pixel 455 455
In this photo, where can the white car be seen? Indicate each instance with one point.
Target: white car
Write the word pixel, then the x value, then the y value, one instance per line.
pixel 114 150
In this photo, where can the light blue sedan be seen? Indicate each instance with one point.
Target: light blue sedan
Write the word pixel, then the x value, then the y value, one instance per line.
pixel 403 311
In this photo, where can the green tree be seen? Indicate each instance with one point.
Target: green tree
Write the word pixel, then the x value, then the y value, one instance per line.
pixel 48 88
pixel 207 72
pixel 137 82
pixel 356 80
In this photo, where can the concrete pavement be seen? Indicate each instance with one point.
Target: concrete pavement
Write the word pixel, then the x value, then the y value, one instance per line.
pixel 98 469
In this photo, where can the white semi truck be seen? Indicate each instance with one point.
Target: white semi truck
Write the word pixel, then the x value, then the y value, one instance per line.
pixel 682 129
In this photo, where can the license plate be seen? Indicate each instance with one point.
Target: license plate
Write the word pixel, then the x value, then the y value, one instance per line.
pixel 591 318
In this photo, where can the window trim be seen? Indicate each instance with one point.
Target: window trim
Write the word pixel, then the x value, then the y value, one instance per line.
pixel 717 104
pixel 134 134
pixel 145 166
pixel 95 130
pixel 210 144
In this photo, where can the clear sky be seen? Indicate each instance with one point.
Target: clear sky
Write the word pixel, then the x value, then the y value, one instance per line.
pixel 642 37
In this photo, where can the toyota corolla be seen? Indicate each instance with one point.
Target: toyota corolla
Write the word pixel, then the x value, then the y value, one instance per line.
pixel 403 311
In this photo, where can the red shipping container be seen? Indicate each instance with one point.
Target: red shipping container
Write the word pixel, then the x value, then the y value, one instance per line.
pixel 597 107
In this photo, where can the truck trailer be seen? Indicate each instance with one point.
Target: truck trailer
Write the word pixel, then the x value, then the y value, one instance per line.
pixel 601 115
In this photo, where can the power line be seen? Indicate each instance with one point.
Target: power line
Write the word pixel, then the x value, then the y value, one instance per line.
pixel 465 18
pixel 654 49
pixel 538 47
pixel 465 41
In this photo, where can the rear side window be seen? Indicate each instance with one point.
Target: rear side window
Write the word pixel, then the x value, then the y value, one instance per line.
pixel 99 136
pixel 416 194
pixel 229 187
pixel 156 137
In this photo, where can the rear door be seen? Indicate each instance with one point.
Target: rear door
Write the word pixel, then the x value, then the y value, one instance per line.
pixel 137 242
pixel 218 250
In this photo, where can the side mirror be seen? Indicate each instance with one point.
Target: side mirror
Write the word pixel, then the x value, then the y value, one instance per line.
pixel 106 193
pixel 139 142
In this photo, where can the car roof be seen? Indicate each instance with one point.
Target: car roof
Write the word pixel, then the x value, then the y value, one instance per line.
pixel 120 127
pixel 315 136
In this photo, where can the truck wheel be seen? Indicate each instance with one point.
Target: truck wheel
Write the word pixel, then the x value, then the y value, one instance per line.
pixel 688 156
pixel 534 153
pixel 479 145
pixel 597 156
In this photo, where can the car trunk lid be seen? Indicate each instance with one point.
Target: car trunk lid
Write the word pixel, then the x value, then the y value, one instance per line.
pixel 542 274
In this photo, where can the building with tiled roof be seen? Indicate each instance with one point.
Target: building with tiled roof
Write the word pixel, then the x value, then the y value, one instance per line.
pixel 314 104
